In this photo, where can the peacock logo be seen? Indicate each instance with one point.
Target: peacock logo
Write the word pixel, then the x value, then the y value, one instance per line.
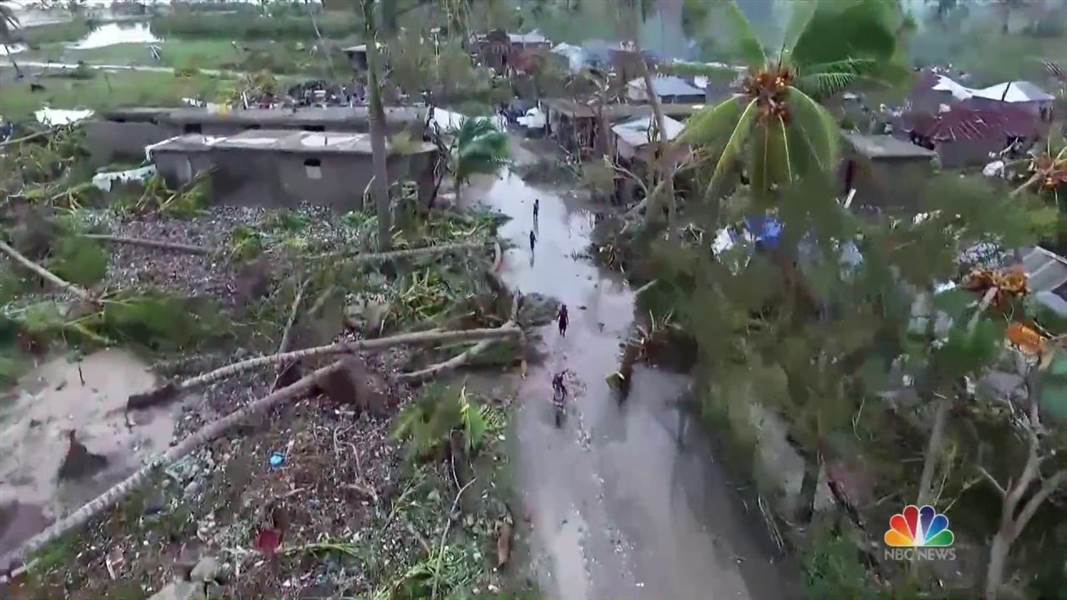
pixel 916 527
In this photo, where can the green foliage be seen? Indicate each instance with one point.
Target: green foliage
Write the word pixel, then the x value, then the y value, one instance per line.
pixel 160 323
pixel 79 261
pixel 246 243
pixel 833 569
pixel 427 425
pixel 480 148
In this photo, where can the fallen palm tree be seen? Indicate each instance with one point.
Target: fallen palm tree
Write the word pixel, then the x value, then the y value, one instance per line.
pixel 172 389
pixel 465 357
pixel 46 274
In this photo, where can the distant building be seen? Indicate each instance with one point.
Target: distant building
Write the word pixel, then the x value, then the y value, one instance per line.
pixel 886 173
pixel 669 89
pixel 124 133
pixel 284 168
pixel 935 93
pixel 966 135
pixel 576 126
pixel 500 50
pixel 633 139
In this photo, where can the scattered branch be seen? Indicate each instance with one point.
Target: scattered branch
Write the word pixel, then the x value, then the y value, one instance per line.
pixel 177 247
pixel 444 536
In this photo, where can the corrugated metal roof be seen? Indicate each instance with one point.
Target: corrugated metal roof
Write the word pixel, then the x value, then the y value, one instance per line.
pixel 667 86
pixel 1015 91
pixel 637 132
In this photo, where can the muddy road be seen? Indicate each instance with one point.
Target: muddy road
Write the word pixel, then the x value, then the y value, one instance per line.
pixel 618 511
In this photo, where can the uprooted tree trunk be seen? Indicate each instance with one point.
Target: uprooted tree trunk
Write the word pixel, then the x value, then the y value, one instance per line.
pixel 202 436
pixel 172 389
pixel 46 274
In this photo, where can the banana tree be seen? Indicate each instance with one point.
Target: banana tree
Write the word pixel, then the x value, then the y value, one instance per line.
pixel 776 116
pixel 9 22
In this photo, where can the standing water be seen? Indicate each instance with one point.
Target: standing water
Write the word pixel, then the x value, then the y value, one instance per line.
pixel 618 510
pixel 87 397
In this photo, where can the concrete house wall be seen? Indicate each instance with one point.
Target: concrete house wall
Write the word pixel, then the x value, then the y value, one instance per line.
pixel 281 179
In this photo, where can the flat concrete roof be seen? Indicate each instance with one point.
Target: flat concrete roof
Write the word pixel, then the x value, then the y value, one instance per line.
pixel 282 140
pixel 886 146
pixel 294 116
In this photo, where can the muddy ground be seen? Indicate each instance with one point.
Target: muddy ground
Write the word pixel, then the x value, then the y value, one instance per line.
pixel 347 512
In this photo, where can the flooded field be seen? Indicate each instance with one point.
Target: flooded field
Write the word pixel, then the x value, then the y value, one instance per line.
pixel 87 398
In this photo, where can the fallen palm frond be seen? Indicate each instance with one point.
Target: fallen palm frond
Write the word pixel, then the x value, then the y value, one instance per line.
pixel 202 436
pixel 46 274
pixel 171 389
pixel 178 247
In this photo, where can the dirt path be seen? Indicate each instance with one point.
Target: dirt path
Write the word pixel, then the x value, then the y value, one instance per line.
pixel 618 511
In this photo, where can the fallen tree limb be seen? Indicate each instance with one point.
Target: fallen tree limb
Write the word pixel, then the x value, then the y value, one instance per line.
pixel 172 389
pixel 118 239
pixel 46 274
pixel 394 254
pixel 283 346
pixel 202 436
pixel 443 368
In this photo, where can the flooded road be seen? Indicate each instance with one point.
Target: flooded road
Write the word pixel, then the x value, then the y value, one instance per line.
pixel 618 511
pixel 61 395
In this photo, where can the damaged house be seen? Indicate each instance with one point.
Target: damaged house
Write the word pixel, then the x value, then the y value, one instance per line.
pixel 284 167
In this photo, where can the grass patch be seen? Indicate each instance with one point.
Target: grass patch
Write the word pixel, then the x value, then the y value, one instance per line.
pixel 108 91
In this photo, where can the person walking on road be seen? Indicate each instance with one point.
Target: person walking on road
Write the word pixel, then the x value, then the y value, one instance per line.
pixel 533 240
pixel 563 317
pixel 537 207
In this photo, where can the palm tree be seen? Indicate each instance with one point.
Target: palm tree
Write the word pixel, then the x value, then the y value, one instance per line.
pixel 9 22
pixel 829 47
pixel 376 116
pixel 479 148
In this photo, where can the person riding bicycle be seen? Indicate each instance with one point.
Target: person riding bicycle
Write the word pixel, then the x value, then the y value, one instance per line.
pixel 557 384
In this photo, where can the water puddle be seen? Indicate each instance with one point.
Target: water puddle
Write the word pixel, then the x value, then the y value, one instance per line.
pixel 121 32
pixel 9 49
pixel 36 418
pixel 60 116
